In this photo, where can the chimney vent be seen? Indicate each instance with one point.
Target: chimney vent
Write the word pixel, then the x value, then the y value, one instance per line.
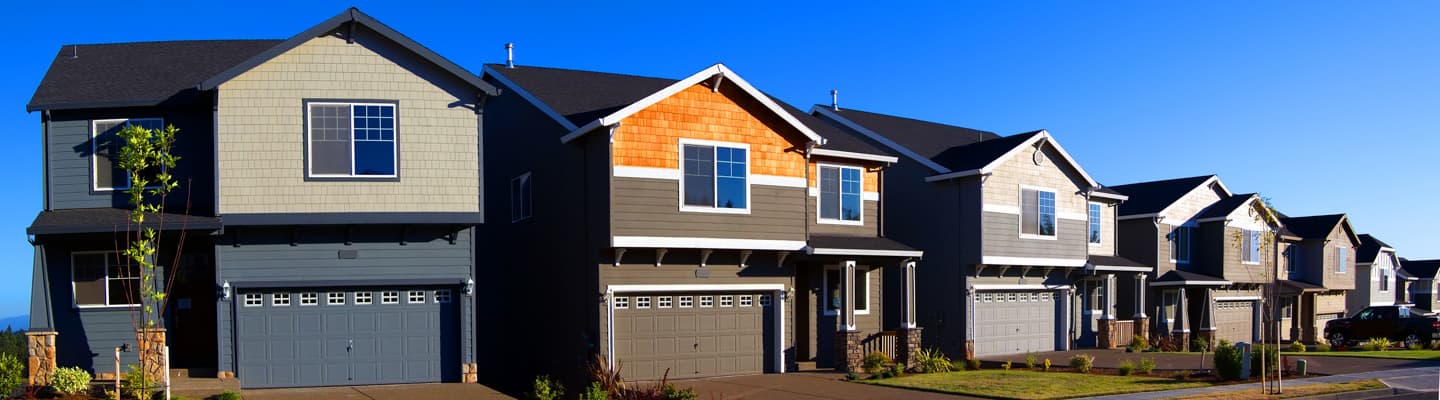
pixel 74 51
pixel 835 100
pixel 510 55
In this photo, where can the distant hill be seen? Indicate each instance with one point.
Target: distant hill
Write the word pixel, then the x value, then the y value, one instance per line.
pixel 18 322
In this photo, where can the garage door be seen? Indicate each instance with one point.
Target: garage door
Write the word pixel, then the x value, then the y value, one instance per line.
pixel 302 337
pixel 1234 321
pixel 690 334
pixel 1014 322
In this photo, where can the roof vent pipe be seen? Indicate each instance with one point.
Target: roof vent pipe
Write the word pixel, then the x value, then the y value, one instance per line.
pixel 510 55
pixel 835 100
pixel 74 51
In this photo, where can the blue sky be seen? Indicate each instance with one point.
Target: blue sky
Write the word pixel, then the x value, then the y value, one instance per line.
pixel 1325 107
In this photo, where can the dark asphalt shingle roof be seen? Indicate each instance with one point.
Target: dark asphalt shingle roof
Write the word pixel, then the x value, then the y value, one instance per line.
pixel 1114 261
pixel 581 97
pixel 1225 206
pixel 925 138
pixel 1152 197
pixel 136 74
pixel 978 155
pixel 1301 286
pixel 1423 269
pixel 856 242
pixel 1313 227
pixel 1369 248
pixel 1186 276
pixel 105 220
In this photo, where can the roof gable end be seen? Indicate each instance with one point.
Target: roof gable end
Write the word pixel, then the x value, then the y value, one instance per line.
pixel 1035 138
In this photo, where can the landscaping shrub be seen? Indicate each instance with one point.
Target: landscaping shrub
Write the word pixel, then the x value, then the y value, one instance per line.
pixel 972 364
pixel 13 342
pixel 70 380
pixel 850 376
pixel 1047 364
pixel 544 388
pixel 1139 343
pixel 1181 375
pixel 671 392
pixel 932 361
pixel 229 395
pixel 1126 367
pixel 134 384
pixel 1227 362
pixel 1082 363
pixel 1377 344
pixel 1030 359
pixel 1295 347
pixel 1415 346
pixel 1006 365
pixel 1322 346
pixel 875 362
pixel 1147 364
pixel 595 391
pixel 12 375
pixel 1269 353
pixel 1198 344
pixel 897 370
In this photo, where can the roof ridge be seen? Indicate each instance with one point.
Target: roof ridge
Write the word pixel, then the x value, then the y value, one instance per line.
pixel 503 67
pixel 906 118
pixel 170 41
pixel 1208 176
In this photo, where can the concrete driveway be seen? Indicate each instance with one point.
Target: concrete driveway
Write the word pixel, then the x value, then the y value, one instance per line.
pixel 797 385
pixel 426 391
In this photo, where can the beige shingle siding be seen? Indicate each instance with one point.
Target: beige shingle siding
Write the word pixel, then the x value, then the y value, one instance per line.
pixel 1001 190
pixel 261 131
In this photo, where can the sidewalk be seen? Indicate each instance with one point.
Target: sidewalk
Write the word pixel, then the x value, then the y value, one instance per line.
pixel 1386 375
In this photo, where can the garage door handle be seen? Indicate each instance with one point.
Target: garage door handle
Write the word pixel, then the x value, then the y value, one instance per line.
pixel 350 345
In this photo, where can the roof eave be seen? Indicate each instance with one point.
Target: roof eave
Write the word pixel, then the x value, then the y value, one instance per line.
pixel 955 175
pixel 876 136
pixel 96 104
pixel 854 155
pixel 1112 196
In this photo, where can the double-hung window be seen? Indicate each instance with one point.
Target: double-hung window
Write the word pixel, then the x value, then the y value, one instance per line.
pixel 1180 245
pixel 716 177
pixel 1037 213
pixel 1250 247
pixel 1342 258
pixel 105 148
pixel 351 140
pixel 1384 273
pixel 840 194
pixel 1094 233
pixel 102 279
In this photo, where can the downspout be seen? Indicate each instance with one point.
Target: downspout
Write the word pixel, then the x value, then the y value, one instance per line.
pixel 879 208
pixel 810 146
pixel 45 158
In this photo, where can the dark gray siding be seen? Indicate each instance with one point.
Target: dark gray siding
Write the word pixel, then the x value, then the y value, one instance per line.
pixel 651 207
pixel 1208 249
pixel 870 218
pixel 87 337
pixel 311 257
pixel 932 217
pixel 68 173
pixel 1002 238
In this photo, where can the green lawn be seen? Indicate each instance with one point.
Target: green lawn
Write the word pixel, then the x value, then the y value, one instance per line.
pixel 1396 354
pixel 1291 391
pixel 1027 385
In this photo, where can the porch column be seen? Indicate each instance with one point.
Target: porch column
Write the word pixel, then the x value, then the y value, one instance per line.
pixel 1105 333
pixel 780 297
pixel 847 294
pixel 847 338
pixel 1142 321
pixel 1207 318
pixel 1067 305
pixel 1181 331
pixel 907 340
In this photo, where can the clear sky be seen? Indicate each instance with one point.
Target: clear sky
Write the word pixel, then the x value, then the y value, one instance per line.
pixel 1326 107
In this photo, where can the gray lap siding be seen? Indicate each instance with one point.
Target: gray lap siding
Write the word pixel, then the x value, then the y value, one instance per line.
pixel 1002 238
pixel 869 218
pixel 68 170
pixel 651 207
pixel 383 256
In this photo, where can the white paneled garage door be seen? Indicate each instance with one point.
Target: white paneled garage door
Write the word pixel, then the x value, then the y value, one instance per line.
pixel 690 334
pixel 1234 321
pixel 1014 322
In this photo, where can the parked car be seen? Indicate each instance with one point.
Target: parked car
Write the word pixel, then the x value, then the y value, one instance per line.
pixel 1396 323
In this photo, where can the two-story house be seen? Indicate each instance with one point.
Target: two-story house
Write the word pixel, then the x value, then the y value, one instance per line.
pixel 1375 277
pixel 1210 255
pixel 682 228
pixel 1019 239
pixel 329 188
pixel 1421 285
pixel 1319 273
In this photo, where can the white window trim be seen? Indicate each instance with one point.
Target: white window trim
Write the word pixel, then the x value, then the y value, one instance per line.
pixel 331 296
pixel 369 298
pixel 1341 265
pixel 259 297
pixel 94 166
pixel 1020 199
pixel 525 197
pixel 275 299
pixel 1087 223
pixel 818 198
pixel 106 280
pixel 860 279
pixel 749 160
pixel 309 150
pixel 316 299
pixel 1189 236
pixel 1259 250
pixel 410 297
pixel 397 297
pixel 703 299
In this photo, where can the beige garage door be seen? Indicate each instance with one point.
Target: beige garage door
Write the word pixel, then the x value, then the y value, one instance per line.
pixel 690 334
pixel 1235 321
pixel 1014 322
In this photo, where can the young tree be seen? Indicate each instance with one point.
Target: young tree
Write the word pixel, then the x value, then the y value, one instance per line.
pixel 1263 212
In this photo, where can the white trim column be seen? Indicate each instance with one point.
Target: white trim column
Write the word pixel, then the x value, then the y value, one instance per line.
pixel 907 314
pixel 1064 325
pixel 779 304
pixel 1140 291
pixel 1182 315
pixel 609 326
pixel 847 294
pixel 1109 305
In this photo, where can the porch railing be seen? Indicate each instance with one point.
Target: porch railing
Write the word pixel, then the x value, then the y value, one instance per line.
pixel 1124 333
pixel 883 342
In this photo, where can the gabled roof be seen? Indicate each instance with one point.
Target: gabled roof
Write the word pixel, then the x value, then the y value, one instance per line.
pixel 111 220
pixel 1423 269
pixel 581 101
pixel 1154 197
pixel 1187 278
pixel 858 246
pixel 919 140
pixel 151 73
pixel 352 16
pixel 135 74
pixel 1318 226
pixel 1226 206
pixel 984 157
pixel 1370 248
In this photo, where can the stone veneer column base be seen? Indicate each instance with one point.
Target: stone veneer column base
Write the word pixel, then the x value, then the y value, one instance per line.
pixel 151 352
pixel 1181 339
pixel 907 343
pixel 1105 335
pixel 225 374
pixel 969 349
pixel 41 346
pixel 1142 328
pixel 469 373
pixel 847 351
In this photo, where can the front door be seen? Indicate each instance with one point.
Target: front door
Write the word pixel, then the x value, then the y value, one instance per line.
pixel 191 316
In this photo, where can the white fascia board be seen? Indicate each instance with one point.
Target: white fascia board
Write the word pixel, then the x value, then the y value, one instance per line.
pixel 1192 283
pixel 1120 268
pixel 1034 261
pixel 1029 286
pixel 879 138
pixel 853 155
pixel 953 175
pixel 544 108
pixel 696 287
pixel 1111 196
pixel 1138 216
pixel 692 80
pixel 662 242
pixel 822 251
pixel 1213 179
